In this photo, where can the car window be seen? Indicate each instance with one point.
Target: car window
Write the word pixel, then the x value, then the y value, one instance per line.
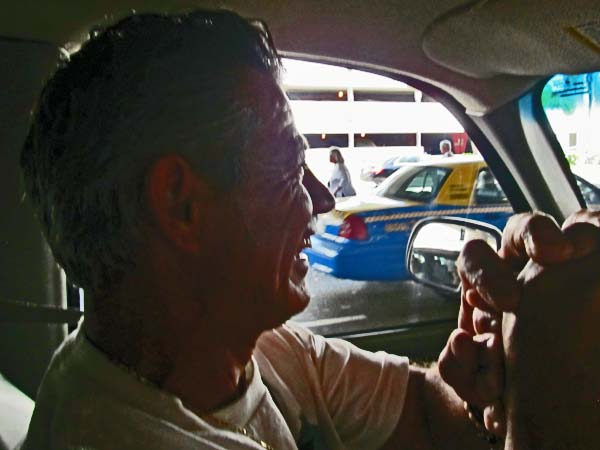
pixel 423 186
pixel 406 159
pixel 572 106
pixel 488 190
pixel 389 134
pixel 591 193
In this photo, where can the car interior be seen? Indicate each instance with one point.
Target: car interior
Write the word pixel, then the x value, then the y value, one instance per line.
pixel 487 61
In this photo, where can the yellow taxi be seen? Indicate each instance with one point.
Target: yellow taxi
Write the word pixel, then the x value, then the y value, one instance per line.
pixel 365 237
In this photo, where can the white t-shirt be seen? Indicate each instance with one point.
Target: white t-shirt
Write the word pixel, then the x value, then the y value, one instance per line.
pixel 340 184
pixel 322 394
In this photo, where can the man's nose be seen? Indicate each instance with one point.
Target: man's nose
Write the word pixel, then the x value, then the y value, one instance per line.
pixel 322 199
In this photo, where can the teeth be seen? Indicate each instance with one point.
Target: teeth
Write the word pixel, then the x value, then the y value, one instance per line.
pixel 305 244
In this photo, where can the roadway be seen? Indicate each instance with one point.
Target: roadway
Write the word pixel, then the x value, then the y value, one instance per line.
pixel 346 306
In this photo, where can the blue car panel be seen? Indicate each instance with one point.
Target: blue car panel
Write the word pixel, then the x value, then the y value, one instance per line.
pixel 451 186
pixel 382 256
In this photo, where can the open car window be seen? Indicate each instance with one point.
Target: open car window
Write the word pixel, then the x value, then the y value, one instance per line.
pixel 390 136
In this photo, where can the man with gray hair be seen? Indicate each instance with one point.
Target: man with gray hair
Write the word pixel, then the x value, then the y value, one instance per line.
pixel 169 178
pixel 446 148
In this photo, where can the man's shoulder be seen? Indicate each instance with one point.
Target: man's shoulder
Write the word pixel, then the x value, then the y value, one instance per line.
pixel 289 336
pixel 84 398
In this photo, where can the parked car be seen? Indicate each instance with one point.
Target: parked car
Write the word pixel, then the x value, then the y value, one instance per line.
pixel 378 173
pixel 365 237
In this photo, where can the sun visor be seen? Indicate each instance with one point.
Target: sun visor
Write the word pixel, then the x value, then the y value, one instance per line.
pixel 533 38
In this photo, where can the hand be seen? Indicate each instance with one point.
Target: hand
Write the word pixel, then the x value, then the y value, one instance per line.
pixel 552 345
pixel 472 362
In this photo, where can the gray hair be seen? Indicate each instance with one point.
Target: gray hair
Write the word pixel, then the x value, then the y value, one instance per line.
pixel 446 142
pixel 149 85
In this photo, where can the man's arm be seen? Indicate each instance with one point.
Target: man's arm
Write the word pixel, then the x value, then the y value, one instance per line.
pixel 434 418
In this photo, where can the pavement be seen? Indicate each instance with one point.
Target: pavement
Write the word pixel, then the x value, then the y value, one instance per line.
pixel 341 306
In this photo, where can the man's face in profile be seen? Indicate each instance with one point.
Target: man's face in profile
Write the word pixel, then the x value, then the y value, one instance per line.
pixel 275 204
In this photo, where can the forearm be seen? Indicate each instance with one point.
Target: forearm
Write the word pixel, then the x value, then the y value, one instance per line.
pixel 434 417
pixel 448 423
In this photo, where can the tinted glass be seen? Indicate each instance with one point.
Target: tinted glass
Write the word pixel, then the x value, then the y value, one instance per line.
pixel 488 190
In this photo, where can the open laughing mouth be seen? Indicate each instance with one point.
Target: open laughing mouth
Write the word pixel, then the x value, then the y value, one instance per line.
pixel 300 263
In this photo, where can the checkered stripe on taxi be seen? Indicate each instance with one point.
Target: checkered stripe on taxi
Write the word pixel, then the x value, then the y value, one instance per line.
pixel 437 212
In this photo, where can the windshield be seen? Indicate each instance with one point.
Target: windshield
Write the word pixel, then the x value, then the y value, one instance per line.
pixel 392 183
pixel 572 105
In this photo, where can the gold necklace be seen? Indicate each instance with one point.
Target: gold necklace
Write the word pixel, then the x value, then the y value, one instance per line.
pixel 220 423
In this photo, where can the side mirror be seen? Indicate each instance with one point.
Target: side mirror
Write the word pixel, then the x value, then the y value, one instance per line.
pixel 435 244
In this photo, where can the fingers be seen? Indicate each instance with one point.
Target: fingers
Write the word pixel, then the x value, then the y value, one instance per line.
pixel 473 360
pixel 474 367
pixel 486 322
pixel 584 215
pixel 465 313
pixel 488 282
pixel 584 236
pixel 536 236
pixel 475 320
pixel 489 380
pixel 457 364
pixel 494 418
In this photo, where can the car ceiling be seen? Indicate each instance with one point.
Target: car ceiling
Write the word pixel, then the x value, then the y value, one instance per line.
pixel 484 53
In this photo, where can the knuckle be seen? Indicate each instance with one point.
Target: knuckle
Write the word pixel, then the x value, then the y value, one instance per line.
pixel 446 366
pixel 474 254
pixel 584 215
pixel 474 247
pixel 540 222
pixel 484 321
pixel 494 418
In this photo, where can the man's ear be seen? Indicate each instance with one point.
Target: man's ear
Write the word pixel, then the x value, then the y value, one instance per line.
pixel 176 198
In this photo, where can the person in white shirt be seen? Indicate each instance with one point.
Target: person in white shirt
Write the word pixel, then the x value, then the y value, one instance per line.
pixel 340 183
pixel 165 168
